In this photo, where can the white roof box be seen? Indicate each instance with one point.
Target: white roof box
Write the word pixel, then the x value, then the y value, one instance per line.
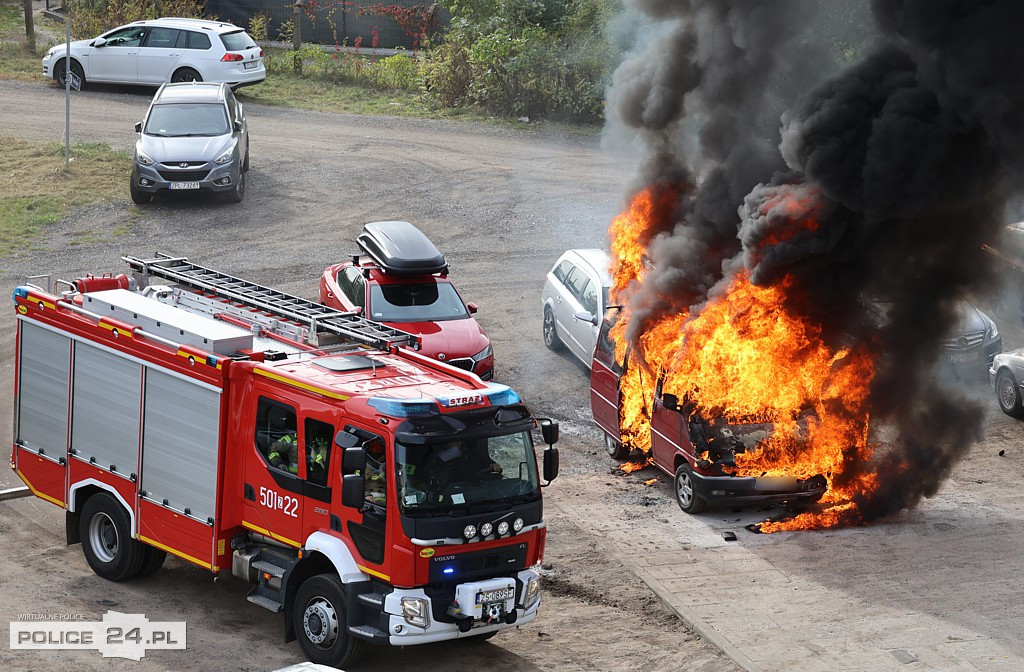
pixel 401 248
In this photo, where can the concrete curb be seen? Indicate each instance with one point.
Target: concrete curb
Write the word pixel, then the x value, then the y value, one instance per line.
pixel 698 625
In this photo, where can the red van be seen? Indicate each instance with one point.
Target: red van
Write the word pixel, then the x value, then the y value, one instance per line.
pixel 695 451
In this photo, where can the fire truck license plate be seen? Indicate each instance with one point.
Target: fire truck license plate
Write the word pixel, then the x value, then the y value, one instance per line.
pixel 184 185
pixel 499 595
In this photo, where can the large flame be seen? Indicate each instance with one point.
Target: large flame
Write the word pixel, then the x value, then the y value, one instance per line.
pixel 746 357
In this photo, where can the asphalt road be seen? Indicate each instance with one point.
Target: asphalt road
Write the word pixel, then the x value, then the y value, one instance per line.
pixel 932 588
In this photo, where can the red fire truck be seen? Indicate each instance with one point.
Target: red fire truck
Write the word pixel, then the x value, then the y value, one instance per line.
pixel 368 493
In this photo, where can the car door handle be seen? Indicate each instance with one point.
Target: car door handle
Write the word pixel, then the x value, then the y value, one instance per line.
pixel 131 53
pixel 174 55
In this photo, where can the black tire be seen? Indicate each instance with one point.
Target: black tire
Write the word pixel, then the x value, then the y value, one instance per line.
pixel 1008 394
pixel 245 164
pixel 551 339
pixel 154 560
pixel 186 75
pixel 319 618
pixel 614 448
pixel 686 497
pixel 107 540
pixel 139 197
pixel 238 193
pixel 59 70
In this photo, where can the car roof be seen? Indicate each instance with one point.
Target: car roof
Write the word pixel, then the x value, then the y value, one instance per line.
pixel 218 27
pixel 598 262
pixel 190 92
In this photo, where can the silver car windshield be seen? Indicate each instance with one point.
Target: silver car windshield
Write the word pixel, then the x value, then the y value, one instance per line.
pixel 187 120
pixel 438 477
pixel 432 301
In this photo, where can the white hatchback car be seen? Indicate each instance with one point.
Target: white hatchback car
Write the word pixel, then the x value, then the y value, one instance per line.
pixel 163 50
pixel 574 299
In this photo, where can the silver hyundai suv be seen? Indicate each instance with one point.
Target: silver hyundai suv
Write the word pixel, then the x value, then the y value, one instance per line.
pixel 194 137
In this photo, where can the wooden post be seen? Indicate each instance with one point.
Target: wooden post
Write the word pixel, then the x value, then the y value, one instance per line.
pixel 30 27
pixel 297 36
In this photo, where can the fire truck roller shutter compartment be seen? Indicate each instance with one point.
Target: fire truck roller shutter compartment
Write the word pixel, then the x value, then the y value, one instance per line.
pixel 105 409
pixel 43 390
pixel 179 448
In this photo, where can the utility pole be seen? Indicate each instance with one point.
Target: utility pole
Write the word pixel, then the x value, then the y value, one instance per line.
pixel 297 36
pixel 30 27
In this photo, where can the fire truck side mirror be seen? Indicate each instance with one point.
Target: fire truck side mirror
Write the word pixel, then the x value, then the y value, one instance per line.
pixel 550 463
pixel 353 491
pixel 354 460
pixel 549 430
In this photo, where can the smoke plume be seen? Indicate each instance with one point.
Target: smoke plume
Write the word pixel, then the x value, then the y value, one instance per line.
pixel 876 186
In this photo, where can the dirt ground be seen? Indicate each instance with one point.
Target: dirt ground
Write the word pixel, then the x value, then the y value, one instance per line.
pixel 502 206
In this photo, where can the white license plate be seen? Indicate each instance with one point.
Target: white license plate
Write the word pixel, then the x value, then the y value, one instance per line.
pixel 251 65
pixel 964 357
pixel 499 595
pixel 184 185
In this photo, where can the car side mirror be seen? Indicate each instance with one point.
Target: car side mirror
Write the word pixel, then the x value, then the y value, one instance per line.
pixel 472 308
pixel 585 316
pixel 549 430
pixel 670 401
pixel 353 491
pixel 550 463
pixel 138 127
pixel 238 126
pixel 354 460
pixel 99 42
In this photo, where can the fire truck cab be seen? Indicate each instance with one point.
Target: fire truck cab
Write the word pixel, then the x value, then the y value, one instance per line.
pixel 698 453
pixel 368 493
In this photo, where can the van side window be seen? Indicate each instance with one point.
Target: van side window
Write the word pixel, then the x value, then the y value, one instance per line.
pixel 277 435
pixel 319 436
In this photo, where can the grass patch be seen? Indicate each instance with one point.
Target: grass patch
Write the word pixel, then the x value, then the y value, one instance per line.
pixel 12 19
pixel 36 192
pixel 18 63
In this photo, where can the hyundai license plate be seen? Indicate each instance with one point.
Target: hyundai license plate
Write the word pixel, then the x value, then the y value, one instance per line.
pixel 251 65
pixel 499 595
pixel 184 185
pixel 959 357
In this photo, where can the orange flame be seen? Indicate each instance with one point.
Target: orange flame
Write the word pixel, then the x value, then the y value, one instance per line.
pixel 745 357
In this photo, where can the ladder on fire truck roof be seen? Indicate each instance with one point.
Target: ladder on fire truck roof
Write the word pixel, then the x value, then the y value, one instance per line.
pixel 319 318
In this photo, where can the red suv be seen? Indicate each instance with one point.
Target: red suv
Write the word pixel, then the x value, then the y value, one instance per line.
pixel 402 279
pixel 696 452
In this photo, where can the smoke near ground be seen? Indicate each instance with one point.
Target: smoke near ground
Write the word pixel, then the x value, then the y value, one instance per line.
pixel 881 182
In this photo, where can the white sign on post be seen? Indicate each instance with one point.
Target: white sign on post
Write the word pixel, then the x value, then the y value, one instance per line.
pixel 76 82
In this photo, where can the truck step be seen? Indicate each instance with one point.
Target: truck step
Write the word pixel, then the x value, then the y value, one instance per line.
pixel 375 600
pixel 268 567
pixel 266 603
pixel 368 632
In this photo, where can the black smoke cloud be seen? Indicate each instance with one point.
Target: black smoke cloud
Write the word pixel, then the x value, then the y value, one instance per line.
pixel 909 155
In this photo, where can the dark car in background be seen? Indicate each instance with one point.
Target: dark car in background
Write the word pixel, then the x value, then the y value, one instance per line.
pixel 401 279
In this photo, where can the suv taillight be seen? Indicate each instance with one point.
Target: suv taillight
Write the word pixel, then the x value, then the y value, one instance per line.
pixel 233 57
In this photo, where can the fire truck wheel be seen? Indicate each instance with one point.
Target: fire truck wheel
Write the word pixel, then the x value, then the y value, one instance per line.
pixel 319 616
pixel 615 449
pixel 687 498
pixel 551 339
pixel 1008 394
pixel 107 541
pixel 154 560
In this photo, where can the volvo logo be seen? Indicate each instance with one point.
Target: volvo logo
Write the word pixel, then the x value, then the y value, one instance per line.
pixel 182 165
pixel 440 356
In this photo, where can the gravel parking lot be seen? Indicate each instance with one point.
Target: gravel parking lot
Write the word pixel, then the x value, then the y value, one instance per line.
pixel 503 205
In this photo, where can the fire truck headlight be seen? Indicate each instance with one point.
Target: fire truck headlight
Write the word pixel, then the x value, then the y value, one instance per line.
pixel 503 528
pixel 532 593
pixel 517 524
pixel 416 611
pixel 486 529
pixel 469 532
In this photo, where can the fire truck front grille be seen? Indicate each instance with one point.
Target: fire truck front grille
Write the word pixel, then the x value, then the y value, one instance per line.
pixel 184 175
pixel 466 364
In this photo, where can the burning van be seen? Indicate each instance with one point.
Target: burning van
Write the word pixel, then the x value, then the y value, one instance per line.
pixel 699 453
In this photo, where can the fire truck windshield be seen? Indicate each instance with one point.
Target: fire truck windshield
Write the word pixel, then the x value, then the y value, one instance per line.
pixel 475 473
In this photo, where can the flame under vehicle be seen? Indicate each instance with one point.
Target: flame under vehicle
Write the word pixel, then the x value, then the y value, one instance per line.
pixel 696 452
pixel 401 279
pixel 368 493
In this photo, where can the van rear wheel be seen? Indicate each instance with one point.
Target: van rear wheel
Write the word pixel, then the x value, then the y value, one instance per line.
pixel 615 449
pixel 107 542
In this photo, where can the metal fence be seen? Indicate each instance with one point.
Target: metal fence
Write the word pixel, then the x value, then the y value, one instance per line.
pixel 343 23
